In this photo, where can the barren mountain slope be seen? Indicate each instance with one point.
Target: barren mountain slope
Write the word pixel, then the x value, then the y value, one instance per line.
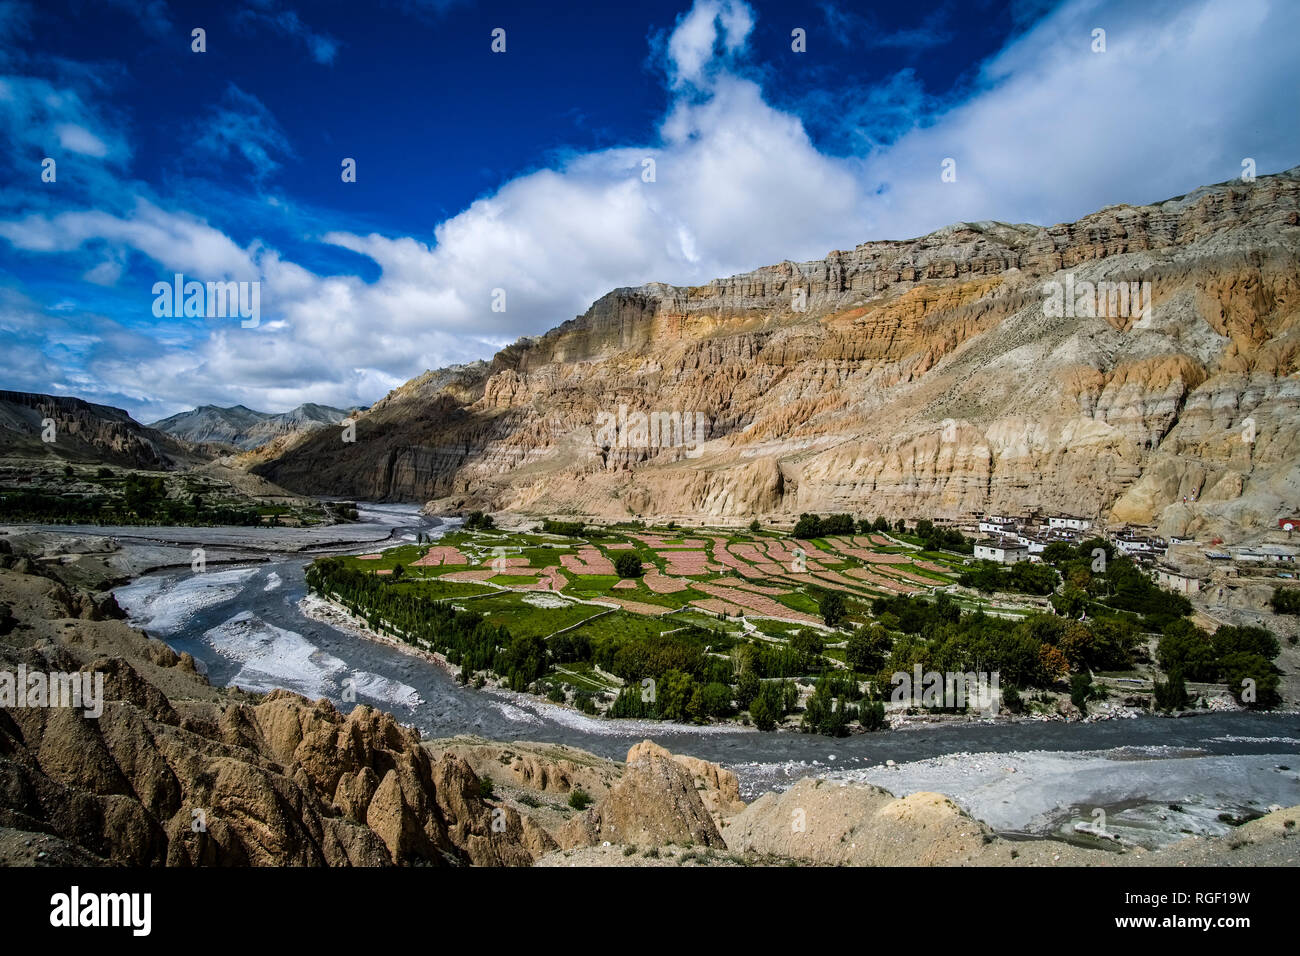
pixel 920 378
pixel 243 427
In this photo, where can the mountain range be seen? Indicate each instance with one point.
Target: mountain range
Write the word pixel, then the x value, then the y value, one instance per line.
pixel 973 369
pixel 245 428
pixel 1140 365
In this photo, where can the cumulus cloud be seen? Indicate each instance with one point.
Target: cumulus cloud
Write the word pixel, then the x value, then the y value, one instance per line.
pixel 1050 131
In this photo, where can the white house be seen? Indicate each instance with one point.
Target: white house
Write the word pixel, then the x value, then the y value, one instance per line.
pixel 997 526
pixel 1069 522
pixel 1138 547
pixel 1003 551
pixel 1035 545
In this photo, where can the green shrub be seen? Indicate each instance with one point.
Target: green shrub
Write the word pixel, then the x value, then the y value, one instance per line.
pixel 628 565
pixel 1171 694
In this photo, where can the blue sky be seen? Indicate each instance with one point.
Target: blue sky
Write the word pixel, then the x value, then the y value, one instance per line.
pixel 522 170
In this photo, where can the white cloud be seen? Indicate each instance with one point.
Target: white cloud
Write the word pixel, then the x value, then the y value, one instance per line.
pixel 80 140
pixel 708 25
pixel 1052 132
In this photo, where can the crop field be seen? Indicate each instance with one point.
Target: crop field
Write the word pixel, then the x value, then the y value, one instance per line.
pixel 723 576
pixel 717 624
pixel 761 587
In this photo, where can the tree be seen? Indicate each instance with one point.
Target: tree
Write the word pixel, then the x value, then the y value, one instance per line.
pixel 1185 648
pixel 1285 600
pixel 673 695
pixel 872 715
pixel 868 648
pixel 808 646
pixel 832 608
pixel 1080 691
pixel 747 687
pixel 754 526
pixel 1052 664
pixel 761 711
pixel 808 526
pixel 1059 552
pixel 628 565
pixel 1243 672
pixel 838 524
pixel 398 572
pixel 712 700
pixel 1170 695
pixel 1229 639
pixel 524 661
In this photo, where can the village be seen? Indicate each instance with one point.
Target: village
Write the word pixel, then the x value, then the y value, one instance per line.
pixel 1177 564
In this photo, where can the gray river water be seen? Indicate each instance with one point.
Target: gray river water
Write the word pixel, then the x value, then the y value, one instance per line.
pixel 242 622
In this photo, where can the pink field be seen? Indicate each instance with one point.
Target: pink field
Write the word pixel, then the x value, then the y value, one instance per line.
pixel 588 560
pixel 889 584
pixel 719 607
pixel 749 586
pixel 875 557
pixel 836 577
pixel 369 557
pixel 724 556
pixel 440 555
pixel 384 571
pixel 784 555
pixel 686 562
pixel 912 576
pixel 747 552
pixel 758 603
pixel 621 546
pixel 636 607
pixel 664 585
pixel 549 579
pixel 626 584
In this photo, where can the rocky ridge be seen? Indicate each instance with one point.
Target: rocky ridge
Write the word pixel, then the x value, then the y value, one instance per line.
pixel 920 378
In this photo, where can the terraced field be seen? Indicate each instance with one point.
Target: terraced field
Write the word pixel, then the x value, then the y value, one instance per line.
pixel 765 586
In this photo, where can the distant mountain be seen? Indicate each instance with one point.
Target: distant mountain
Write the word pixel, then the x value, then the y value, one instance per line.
pixel 57 426
pixel 245 428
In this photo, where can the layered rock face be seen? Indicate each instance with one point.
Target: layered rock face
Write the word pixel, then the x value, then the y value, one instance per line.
pixel 176 772
pixel 56 426
pixel 1112 367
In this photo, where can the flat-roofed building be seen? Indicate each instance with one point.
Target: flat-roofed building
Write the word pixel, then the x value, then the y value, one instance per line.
pixel 1172 579
pixel 1266 554
pixel 1001 550
pixel 1071 522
